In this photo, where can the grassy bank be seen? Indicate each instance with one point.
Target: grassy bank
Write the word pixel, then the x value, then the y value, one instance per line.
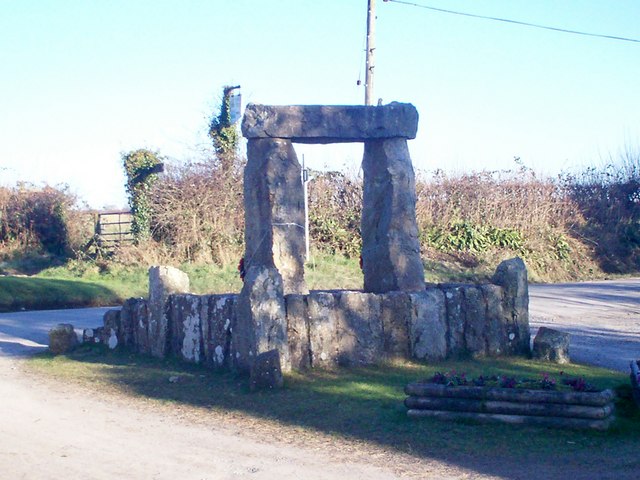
pixel 360 405
pixel 83 284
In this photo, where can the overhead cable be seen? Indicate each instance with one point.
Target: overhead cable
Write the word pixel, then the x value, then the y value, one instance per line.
pixel 516 22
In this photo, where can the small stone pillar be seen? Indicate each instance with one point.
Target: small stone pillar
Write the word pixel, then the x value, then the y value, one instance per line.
pixel 274 211
pixel 390 246
pixel 511 275
pixel 163 281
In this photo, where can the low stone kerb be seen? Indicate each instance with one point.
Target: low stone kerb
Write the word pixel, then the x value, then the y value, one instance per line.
pixel 330 124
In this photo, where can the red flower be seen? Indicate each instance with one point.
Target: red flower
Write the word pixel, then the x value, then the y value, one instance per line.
pixel 241 269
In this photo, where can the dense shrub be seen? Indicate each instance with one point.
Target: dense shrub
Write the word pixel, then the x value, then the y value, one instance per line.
pixel 41 220
pixel 197 212
pixel 335 208
pixel 609 199
pixel 481 217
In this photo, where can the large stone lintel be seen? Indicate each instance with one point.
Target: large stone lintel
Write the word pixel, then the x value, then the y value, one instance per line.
pixel 330 123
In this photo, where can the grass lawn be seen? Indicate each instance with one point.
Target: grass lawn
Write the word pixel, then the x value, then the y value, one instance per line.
pixel 362 405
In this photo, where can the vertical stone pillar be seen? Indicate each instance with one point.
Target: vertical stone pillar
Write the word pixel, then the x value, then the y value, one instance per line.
pixel 274 211
pixel 512 276
pixel 390 245
pixel 163 281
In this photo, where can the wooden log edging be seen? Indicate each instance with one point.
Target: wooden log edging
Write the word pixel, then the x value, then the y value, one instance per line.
pixel 635 384
pixel 509 408
pixel 596 399
pixel 576 410
pixel 555 422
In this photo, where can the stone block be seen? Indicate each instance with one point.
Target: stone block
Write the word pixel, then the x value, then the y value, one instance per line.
pixel 390 246
pixel 92 335
pixel 511 275
pixel 330 123
pixel 133 324
pixel 217 317
pixel 266 373
pixel 551 345
pixel 261 323
pixel 62 339
pixel 298 331
pixel 359 329
pixel 323 329
pixel 428 325
pixel 185 327
pixel 163 281
pixel 274 211
pixel 395 312
pixel 140 318
pixel 112 334
pixel 495 333
pixel 455 319
pixel 475 316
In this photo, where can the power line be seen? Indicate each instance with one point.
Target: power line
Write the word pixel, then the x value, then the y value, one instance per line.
pixel 516 22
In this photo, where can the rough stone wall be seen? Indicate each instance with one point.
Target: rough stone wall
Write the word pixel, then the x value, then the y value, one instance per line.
pixel 336 328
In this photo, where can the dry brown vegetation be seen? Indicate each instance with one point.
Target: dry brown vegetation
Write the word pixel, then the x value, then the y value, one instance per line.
pixel 573 226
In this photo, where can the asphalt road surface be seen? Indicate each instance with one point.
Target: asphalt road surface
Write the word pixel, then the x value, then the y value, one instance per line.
pixel 603 319
pixel 23 333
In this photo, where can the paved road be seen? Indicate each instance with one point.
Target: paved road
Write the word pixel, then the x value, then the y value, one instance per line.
pixel 22 333
pixel 603 319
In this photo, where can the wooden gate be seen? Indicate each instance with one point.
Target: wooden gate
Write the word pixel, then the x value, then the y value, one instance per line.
pixel 114 227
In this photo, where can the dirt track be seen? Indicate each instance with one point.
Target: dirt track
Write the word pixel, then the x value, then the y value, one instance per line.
pixel 48 431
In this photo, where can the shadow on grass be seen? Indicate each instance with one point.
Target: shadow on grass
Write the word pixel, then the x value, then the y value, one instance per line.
pixel 366 405
pixel 35 293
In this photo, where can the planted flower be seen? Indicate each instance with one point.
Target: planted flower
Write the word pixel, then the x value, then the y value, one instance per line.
pixel 546 382
pixel 508 382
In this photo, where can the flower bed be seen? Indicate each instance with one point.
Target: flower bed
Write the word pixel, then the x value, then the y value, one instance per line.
pixel 635 381
pixel 507 400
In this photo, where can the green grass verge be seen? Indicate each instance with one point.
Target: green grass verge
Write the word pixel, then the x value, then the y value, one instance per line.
pixel 26 293
pixel 361 404
pixel 80 284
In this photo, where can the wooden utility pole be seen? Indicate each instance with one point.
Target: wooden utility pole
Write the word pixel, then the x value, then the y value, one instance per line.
pixel 371 34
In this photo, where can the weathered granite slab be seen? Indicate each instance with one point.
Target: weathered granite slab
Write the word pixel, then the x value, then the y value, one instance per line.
pixel 330 123
pixel 274 211
pixel 390 246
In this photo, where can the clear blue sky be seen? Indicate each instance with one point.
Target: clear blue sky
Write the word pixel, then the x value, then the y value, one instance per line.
pixel 83 80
